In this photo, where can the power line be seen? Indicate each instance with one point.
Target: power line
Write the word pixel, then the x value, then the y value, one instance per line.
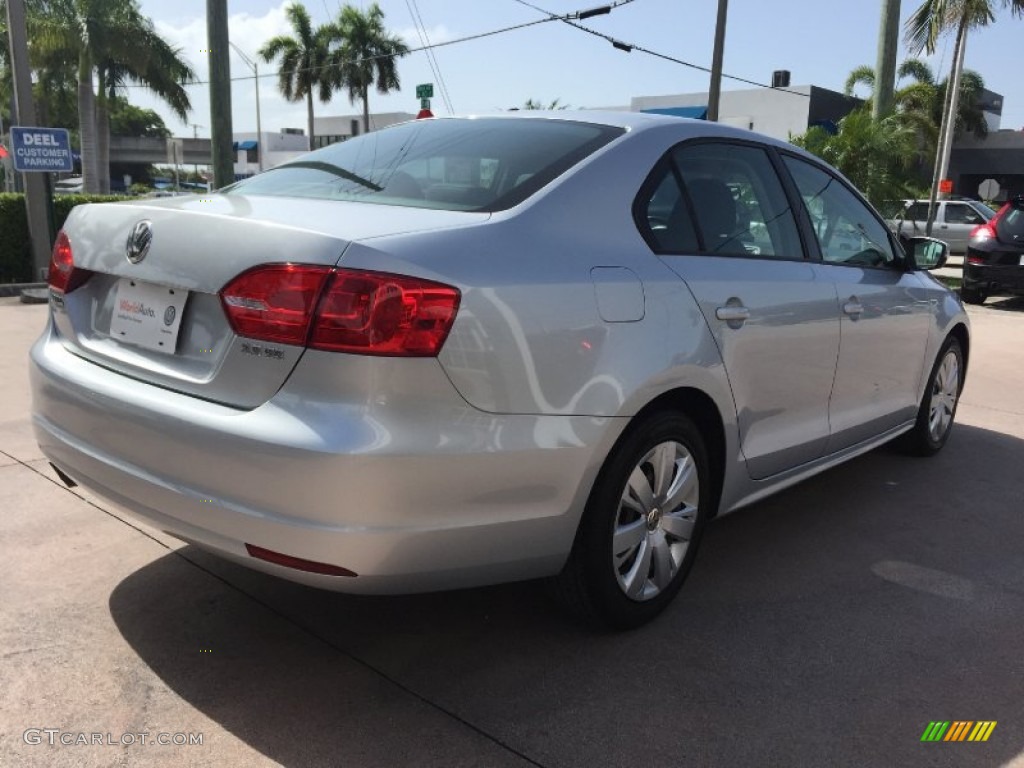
pixel 421 32
pixel 465 39
pixel 628 47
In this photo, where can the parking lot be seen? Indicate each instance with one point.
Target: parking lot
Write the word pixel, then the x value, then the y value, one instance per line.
pixel 827 626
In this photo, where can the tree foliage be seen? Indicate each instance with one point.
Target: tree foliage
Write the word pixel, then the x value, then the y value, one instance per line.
pixel 303 60
pixel 876 155
pixel 367 56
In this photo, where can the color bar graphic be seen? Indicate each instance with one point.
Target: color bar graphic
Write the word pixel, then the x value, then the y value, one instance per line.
pixel 958 730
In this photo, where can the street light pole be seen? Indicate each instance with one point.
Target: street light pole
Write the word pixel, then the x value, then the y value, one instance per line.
pixel 715 91
pixel 259 128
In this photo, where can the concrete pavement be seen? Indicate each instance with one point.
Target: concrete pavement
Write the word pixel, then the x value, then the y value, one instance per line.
pixel 825 626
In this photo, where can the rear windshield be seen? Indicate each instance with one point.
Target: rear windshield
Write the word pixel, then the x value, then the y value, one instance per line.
pixel 1011 226
pixel 480 164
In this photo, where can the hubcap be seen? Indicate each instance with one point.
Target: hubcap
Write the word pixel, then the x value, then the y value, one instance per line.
pixel 656 516
pixel 945 391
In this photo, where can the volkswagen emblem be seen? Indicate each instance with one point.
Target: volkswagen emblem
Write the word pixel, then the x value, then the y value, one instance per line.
pixel 139 240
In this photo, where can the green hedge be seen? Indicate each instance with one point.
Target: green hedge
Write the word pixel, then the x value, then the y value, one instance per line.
pixel 15 252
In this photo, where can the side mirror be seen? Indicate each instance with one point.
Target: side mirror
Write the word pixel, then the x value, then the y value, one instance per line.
pixel 927 252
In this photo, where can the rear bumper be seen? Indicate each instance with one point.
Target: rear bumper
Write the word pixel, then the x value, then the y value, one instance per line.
pixel 994 279
pixel 407 486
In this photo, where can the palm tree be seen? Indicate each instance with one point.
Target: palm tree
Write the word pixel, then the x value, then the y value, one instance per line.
pixel 152 63
pixel 924 28
pixel 108 39
pixel 531 104
pixel 304 60
pixel 367 56
pixel 862 75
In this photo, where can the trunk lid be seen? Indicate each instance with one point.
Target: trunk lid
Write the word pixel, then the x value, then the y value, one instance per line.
pixel 161 321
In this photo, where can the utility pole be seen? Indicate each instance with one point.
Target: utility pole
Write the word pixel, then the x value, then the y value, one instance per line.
pixel 715 91
pixel 220 92
pixel 36 204
pixel 885 66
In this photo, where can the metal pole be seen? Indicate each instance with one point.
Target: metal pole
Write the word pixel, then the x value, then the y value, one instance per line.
pixel 35 186
pixel 715 91
pixel 885 65
pixel 259 126
pixel 220 92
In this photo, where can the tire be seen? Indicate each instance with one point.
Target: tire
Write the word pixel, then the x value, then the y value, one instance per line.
pixel 630 556
pixel 972 296
pixel 939 403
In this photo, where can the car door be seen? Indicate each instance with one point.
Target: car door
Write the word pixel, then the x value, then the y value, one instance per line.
pixel 718 215
pixel 884 310
pixel 955 223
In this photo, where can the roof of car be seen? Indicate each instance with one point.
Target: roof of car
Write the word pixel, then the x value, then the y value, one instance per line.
pixel 631 121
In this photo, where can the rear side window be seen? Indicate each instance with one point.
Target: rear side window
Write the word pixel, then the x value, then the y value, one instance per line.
pixel 666 221
pixel 481 164
pixel 917 212
pixel 847 231
pixel 738 202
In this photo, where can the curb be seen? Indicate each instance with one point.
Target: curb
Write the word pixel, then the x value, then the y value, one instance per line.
pixel 15 289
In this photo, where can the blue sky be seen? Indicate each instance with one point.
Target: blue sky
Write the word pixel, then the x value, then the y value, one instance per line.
pixel 819 42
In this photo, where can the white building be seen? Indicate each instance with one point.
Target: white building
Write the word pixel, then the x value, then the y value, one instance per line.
pixel 776 112
pixel 278 147
pixel 331 130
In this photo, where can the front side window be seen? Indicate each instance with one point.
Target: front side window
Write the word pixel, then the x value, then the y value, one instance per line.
pixel 738 201
pixel 481 164
pixel 847 231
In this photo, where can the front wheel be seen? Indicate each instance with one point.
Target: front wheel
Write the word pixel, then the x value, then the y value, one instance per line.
pixel 938 406
pixel 642 524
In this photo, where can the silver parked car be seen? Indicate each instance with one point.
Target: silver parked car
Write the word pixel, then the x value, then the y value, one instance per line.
pixel 464 351
pixel 954 220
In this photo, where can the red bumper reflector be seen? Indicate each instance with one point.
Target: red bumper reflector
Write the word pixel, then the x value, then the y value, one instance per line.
pixel 297 562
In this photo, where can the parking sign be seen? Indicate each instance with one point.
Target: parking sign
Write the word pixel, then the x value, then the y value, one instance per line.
pixel 41 149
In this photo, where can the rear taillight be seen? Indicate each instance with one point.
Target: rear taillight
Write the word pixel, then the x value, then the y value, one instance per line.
pixel 987 231
pixel 374 313
pixel 274 302
pixel 341 310
pixel 983 232
pixel 63 276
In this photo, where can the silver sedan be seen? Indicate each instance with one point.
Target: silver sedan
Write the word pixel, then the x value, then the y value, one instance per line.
pixel 464 351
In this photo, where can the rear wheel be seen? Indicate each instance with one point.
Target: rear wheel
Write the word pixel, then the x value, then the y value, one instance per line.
pixel 938 406
pixel 643 522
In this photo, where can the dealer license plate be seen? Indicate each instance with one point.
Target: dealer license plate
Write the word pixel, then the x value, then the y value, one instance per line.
pixel 147 315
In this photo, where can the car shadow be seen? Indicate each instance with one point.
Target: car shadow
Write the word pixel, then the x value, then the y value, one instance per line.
pixel 825 606
pixel 1006 304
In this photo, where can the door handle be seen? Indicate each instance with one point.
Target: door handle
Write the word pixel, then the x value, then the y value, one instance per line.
pixel 853 308
pixel 733 314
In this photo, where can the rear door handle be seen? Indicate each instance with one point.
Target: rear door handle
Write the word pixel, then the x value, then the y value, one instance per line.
pixel 853 308
pixel 733 314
